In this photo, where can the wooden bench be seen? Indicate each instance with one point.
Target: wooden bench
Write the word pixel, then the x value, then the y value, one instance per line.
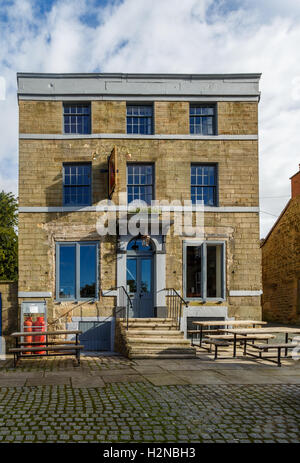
pixel 52 343
pixel 62 349
pixel 230 337
pixel 25 349
pixel 200 332
pixel 242 338
pixel 218 324
pixel 217 343
pixel 266 347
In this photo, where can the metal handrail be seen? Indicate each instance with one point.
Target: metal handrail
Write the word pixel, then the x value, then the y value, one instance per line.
pixel 177 294
pixel 70 310
pixel 175 305
pixel 128 299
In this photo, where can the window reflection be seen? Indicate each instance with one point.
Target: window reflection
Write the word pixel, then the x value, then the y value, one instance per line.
pixel 87 271
pixel 131 275
pixel 146 275
pixel 67 272
pixel 77 267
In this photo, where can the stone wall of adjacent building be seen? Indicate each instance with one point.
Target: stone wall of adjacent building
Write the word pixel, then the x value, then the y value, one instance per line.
pixel 9 295
pixel 281 268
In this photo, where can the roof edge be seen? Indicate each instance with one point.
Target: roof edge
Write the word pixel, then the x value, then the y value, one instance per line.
pixel 276 222
pixel 140 75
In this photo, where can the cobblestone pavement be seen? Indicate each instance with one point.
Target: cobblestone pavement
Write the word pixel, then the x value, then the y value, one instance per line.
pixel 141 412
pixel 113 399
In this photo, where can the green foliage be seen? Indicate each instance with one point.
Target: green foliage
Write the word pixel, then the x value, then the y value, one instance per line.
pixel 8 237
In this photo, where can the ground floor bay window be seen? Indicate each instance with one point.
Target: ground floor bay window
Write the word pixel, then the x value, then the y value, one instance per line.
pixel 204 270
pixel 76 270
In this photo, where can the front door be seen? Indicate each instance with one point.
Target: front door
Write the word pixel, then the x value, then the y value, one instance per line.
pixel 140 279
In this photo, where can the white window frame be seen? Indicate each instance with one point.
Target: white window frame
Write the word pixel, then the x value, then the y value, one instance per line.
pixel 204 245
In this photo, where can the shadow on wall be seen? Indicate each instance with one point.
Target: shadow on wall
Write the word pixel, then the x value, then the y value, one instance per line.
pixel 54 192
pixel 9 292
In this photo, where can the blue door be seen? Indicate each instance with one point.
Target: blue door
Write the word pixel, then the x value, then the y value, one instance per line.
pixel 140 279
pixel 96 336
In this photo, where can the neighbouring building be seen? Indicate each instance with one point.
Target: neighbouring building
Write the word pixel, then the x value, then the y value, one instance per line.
pixel 84 138
pixel 281 262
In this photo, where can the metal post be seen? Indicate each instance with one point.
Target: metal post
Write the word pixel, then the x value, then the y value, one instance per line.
pixel 127 315
pixel 234 345
pixel 286 341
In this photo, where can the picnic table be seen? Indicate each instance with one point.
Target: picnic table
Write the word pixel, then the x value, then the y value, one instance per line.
pixel 25 349
pixel 218 323
pixel 248 332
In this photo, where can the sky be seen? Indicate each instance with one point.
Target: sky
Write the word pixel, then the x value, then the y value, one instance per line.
pixel 163 36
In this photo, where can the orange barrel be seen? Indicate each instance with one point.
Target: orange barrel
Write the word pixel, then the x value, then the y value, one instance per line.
pixel 42 328
pixel 37 326
pixel 28 327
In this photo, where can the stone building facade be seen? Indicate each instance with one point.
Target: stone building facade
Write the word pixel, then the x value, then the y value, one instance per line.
pixel 198 137
pixel 281 263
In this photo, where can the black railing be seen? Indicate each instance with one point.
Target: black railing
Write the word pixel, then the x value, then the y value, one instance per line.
pixel 174 305
pixel 124 302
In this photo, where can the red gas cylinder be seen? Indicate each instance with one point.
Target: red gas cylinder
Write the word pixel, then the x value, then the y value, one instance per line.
pixel 28 327
pixel 39 325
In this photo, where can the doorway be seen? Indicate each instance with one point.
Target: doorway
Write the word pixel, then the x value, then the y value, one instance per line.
pixel 139 276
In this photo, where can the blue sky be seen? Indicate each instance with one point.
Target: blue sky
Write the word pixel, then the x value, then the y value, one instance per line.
pixel 190 36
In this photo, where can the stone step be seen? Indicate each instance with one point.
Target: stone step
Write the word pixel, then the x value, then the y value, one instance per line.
pixel 150 324
pixel 149 321
pixel 165 328
pixel 154 333
pixel 155 349
pixel 153 319
pixel 162 353
pixel 158 341
pixel 155 338
pixel 161 356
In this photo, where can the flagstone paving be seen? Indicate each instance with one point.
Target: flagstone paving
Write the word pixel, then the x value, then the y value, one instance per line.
pixel 113 399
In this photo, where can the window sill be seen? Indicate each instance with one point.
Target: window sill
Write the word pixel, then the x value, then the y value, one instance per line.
pixel 77 205
pixel 204 301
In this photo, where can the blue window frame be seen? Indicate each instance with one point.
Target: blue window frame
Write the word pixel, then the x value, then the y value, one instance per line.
pixel 77 184
pixel 204 270
pixel 140 119
pixel 202 120
pixel 77 270
pixel 204 184
pixel 77 118
pixel 140 182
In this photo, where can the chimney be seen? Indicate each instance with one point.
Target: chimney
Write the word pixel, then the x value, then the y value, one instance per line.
pixel 295 184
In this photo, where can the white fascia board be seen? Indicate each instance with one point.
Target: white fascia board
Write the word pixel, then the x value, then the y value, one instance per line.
pixel 34 294
pixel 45 209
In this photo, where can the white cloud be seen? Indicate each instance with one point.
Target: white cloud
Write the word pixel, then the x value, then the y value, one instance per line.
pixel 194 36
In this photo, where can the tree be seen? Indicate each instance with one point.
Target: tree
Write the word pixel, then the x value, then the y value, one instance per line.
pixel 8 237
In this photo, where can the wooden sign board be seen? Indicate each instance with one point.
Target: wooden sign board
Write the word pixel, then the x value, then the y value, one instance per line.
pixel 112 172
